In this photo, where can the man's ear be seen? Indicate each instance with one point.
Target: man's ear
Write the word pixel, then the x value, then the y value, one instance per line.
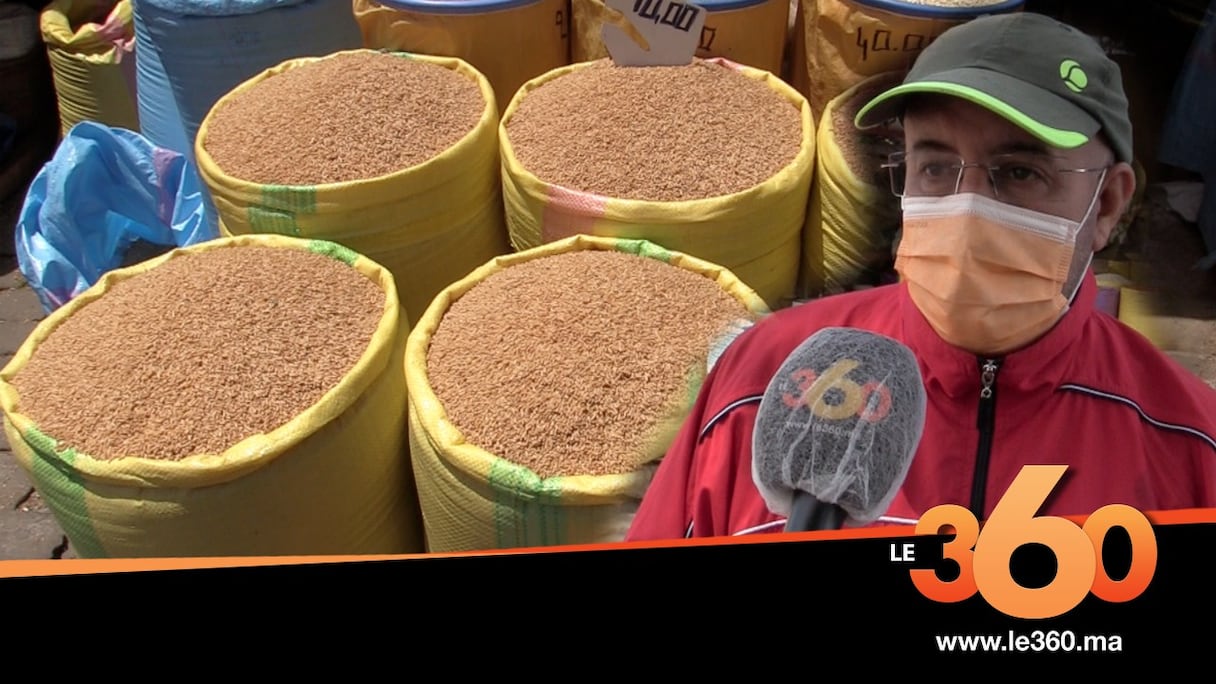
pixel 1119 187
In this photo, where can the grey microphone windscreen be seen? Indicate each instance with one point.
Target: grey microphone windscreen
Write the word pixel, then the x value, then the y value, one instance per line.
pixel 841 421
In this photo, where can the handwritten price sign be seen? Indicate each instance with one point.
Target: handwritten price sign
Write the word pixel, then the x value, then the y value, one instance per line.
pixel 983 556
pixel 653 32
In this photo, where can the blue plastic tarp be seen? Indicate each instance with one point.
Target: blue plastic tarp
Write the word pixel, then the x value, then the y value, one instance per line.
pixel 103 190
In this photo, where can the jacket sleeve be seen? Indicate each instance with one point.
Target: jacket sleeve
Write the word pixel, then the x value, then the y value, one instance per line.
pixel 703 487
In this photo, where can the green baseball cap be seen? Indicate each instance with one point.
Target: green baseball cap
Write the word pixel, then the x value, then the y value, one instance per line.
pixel 1039 73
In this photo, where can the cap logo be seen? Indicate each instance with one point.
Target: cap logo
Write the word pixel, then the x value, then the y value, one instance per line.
pixel 1073 75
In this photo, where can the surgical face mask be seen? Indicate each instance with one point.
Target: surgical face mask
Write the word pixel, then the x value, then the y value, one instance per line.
pixel 988 276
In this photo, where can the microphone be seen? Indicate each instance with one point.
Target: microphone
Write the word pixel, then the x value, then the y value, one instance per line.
pixel 837 429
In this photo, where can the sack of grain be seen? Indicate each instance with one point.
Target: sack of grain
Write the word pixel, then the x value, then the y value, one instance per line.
pixel 510 41
pixel 91 46
pixel 749 32
pixel 545 385
pixel 239 397
pixel 713 159
pixel 192 52
pixel 853 217
pixel 849 40
pixel 392 155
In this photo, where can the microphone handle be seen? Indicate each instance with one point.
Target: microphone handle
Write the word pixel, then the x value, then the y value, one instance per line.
pixel 809 513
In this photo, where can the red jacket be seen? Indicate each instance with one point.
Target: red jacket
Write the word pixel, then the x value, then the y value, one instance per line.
pixel 1133 426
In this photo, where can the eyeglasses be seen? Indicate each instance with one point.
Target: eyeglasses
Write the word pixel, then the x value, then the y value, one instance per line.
pixel 1019 178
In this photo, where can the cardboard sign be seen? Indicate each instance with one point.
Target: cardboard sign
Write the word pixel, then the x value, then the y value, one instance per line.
pixel 652 32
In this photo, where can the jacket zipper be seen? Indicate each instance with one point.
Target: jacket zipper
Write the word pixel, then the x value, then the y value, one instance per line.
pixel 986 422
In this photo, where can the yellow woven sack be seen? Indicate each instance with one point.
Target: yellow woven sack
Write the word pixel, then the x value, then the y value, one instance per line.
pixel 853 216
pixel 510 41
pixel 91 48
pixel 755 233
pixel 474 500
pixel 848 40
pixel 335 479
pixel 750 32
pixel 429 224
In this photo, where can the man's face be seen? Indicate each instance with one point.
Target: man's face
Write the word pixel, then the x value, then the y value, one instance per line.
pixel 943 128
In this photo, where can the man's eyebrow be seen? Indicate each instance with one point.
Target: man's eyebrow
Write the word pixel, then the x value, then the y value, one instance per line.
pixel 930 145
pixel 1016 147
pixel 1024 147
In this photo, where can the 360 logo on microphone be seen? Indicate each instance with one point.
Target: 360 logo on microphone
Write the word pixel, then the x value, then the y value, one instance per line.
pixel 834 396
pixel 983 556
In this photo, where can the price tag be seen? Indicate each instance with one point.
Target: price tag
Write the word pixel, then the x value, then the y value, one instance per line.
pixel 652 32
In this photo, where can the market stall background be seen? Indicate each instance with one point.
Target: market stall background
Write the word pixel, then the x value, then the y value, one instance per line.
pixel 1150 40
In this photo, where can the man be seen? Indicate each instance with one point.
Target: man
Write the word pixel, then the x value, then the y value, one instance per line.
pixel 1015 169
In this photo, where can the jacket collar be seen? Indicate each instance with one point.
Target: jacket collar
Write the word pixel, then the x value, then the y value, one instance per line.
pixel 1038 368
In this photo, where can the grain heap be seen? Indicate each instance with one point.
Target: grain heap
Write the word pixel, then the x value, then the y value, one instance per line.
pixel 655 133
pixel 250 338
pixel 510 41
pixel 348 117
pixel 867 150
pixel 712 160
pixel 565 364
pixel 392 155
pixel 192 52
